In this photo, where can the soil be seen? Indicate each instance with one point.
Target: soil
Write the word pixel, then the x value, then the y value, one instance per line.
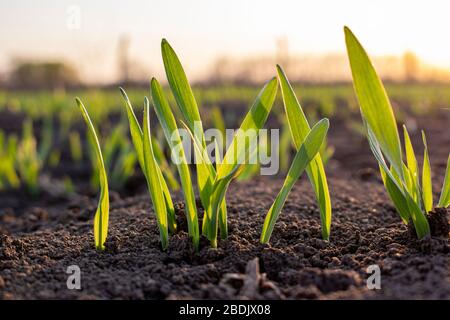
pixel 41 238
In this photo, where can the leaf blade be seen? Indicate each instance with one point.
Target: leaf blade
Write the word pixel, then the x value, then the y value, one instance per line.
pixel 303 157
pixel 427 188
pixel 299 128
pixel 101 218
pixel 137 140
pixel 374 102
pixel 167 121
pixel 444 200
pixel 154 180
pixel 254 120
pixel 187 104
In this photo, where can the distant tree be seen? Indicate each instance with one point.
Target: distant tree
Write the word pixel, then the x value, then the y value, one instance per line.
pixel 43 75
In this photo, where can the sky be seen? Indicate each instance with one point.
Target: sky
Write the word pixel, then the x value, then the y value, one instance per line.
pixel 86 33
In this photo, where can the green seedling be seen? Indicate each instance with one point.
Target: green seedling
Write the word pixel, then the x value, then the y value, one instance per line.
pixel 154 178
pixel 54 158
pixel 444 200
pixel 8 152
pixel 76 150
pixel 300 128
pixel 46 142
pixel 213 183
pixel 173 138
pixel 187 104
pixel 305 154
pixel 233 162
pixel 102 213
pixel 123 166
pixel 28 162
pixel 137 137
pixel 402 181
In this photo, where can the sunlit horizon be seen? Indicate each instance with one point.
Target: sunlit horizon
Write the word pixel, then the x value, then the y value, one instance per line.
pixel 205 31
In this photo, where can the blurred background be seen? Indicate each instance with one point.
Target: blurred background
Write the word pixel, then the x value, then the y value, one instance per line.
pixel 68 43
pixel 54 50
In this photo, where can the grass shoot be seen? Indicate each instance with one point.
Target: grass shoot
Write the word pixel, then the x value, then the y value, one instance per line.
pixel 137 137
pixel 167 121
pixel 300 128
pixel 305 154
pixel 102 213
pixel 154 177
pixel 402 181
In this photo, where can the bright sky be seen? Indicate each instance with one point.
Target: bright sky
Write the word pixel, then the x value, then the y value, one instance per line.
pixel 202 30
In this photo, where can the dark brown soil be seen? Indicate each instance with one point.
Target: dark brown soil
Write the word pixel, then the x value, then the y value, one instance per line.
pixel 40 238
pixel 297 264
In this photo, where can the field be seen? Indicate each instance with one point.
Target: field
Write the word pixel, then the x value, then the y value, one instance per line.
pixel 49 185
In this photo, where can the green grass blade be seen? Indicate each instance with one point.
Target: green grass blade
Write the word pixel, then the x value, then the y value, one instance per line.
pixel 187 104
pixel 237 152
pixel 418 217
pixel 167 120
pixel 154 180
pixel 204 163
pixel 169 203
pixel 137 139
pixel 396 195
pixel 254 120
pixel 304 156
pixel 415 213
pixel 427 188
pixel 410 156
pixel 374 102
pixel 223 225
pixel 102 214
pixel 444 200
pixel 412 167
pixel 181 89
pixel 299 127
pixel 135 129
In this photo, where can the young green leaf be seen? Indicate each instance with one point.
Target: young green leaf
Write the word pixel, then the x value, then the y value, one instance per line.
pixel 412 167
pixel 395 194
pixel 186 102
pixel 300 128
pixel 203 165
pixel 401 181
pixel 427 189
pixel 137 139
pixel 253 121
pixel 135 129
pixel 181 89
pixel 304 156
pixel 154 180
pixel 237 151
pixel 167 120
pixel 102 213
pixel 414 212
pixel 374 101
pixel 444 200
